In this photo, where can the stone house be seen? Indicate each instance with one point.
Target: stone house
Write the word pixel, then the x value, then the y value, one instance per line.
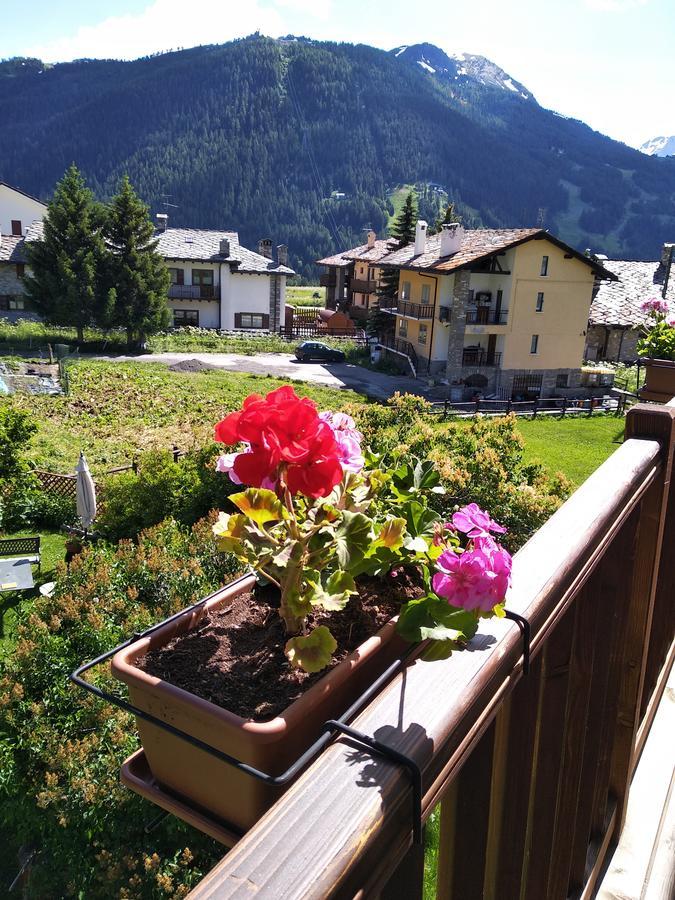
pixel 353 277
pixel 20 220
pixel 500 311
pixel 615 318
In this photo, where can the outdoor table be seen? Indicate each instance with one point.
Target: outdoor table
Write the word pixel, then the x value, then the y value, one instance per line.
pixel 16 575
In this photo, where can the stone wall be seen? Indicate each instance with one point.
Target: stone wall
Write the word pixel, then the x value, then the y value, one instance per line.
pixel 611 344
pixel 457 326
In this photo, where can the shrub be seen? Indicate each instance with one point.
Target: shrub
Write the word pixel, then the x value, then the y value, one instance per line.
pixel 28 505
pixel 60 750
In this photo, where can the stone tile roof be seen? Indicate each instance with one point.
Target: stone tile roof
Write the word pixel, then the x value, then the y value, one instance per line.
pixel 478 244
pixel 204 246
pixel 618 302
pixel 364 253
pixel 11 248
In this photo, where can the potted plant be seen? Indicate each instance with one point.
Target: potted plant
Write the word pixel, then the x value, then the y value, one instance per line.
pixel 657 347
pixel 338 544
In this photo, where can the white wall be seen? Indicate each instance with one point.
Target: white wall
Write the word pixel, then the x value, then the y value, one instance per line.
pixel 14 205
pixel 244 293
pixel 209 310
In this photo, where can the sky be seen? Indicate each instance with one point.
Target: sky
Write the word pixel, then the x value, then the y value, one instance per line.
pixel 609 63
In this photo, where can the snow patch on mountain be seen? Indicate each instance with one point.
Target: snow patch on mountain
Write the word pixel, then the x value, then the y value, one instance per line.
pixel 659 146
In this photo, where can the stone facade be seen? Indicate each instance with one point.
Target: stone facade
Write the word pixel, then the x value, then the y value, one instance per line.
pixel 457 327
pixel 12 286
pixel 611 344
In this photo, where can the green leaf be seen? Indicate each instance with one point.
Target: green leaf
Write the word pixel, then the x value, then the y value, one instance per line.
pixel 425 476
pixel 420 520
pixel 290 552
pixel 312 652
pixel 352 538
pixel 230 531
pixel 259 505
pixel 438 650
pixel 339 588
pixel 298 603
pixel 412 618
pixel 391 534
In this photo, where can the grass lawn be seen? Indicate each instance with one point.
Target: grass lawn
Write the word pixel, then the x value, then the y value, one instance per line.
pixel 398 198
pixel 52 552
pixel 303 295
pixel 114 410
pixel 575 447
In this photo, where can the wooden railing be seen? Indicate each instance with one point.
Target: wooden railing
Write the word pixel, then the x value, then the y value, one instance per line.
pixel 364 285
pixel 532 771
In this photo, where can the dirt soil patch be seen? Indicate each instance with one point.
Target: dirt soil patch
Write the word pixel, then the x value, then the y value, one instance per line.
pixel 191 365
pixel 235 656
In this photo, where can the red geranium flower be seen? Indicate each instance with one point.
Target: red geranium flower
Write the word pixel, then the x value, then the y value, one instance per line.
pixel 285 433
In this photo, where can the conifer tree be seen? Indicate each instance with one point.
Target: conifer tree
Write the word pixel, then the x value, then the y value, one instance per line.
pixel 448 217
pixel 401 232
pixel 64 283
pixel 138 280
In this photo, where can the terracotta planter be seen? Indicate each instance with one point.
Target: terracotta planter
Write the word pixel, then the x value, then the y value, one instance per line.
pixel 206 783
pixel 659 383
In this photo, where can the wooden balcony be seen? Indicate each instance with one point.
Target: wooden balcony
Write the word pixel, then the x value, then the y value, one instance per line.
pixel 531 771
pixel 413 310
pixel 363 286
pixel 192 292
pixel 480 358
pixel 483 315
pixel 328 279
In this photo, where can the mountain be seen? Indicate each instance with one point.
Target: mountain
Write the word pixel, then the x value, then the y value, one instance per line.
pixel 659 146
pixel 304 142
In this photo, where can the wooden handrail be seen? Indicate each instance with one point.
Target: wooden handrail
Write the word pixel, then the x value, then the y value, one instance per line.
pixel 532 773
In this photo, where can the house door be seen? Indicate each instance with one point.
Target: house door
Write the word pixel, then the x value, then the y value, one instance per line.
pixel 491 347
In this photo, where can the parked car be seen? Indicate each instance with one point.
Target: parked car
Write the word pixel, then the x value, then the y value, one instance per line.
pixel 309 350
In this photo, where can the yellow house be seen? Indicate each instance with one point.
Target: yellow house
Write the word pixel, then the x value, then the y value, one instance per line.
pixel 353 277
pixel 499 311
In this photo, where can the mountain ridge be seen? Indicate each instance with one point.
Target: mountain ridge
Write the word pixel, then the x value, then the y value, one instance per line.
pixel 258 134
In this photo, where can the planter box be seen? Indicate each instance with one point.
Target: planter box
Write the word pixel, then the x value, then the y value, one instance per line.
pixel 659 383
pixel 200 779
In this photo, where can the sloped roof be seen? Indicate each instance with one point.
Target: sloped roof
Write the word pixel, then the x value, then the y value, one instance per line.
pixel 11 248
pixel 363 253
pixel 617 303
pixel 19 191
pixel 477 244
pixel 204 246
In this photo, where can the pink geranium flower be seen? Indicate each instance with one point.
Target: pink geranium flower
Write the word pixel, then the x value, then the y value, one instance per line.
pixel 475 522
pixel 348 439
pixel 475 579
pixel 654 306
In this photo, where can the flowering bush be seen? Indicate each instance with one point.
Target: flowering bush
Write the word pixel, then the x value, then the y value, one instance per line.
pixel 314 516
pixel 658 340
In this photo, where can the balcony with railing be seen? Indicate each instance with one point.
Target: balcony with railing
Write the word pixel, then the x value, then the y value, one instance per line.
pixel 480 358
pixel 192 292
pixel 364 285
pixel 328 279
pixel 484 315
pixel 411 310
pixel 401 347
pixel 526 745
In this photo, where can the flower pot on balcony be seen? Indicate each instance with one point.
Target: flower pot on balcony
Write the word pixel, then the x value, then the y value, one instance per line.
pixel 659 383
pixel 198 778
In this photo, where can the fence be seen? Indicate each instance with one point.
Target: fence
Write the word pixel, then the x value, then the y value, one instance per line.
pixel 560 406
pixel 307 330
pixel 531 771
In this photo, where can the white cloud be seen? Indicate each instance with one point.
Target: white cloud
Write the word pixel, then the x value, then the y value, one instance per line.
pixel 619 6
pixel 166 25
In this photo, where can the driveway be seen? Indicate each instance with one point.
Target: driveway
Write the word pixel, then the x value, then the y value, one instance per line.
pixel 336 375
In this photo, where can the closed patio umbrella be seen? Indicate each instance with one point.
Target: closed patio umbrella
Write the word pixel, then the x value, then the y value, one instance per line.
pixel 86 493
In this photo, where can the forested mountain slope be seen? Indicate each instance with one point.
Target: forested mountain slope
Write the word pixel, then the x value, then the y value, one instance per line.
pixel 256 134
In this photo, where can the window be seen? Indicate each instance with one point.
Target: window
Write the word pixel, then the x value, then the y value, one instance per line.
pixel 177 276
pixel 251 320
pixel 16 227
pixel 185 317
pixel 422 336
pixel 403 328
pixel 426 294
pixel 405 290
pixel 17 303
pixel 534 343
pixel 544 265
pixel 540 302
pixel 561 381
pixel 202 276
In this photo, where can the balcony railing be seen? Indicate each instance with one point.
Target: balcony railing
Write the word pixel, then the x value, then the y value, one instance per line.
pixel 413 310
pixel 404 348
pixel 486 316
pixel 532 771
pixel 327 280
pixel 192 291
pixel 481 358
pixel 363 285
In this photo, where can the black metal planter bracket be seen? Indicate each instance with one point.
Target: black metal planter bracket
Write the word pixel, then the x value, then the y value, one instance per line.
pixel 526 631
pixel 377 747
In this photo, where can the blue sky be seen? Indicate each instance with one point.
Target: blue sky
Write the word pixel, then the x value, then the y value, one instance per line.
pixel 607 62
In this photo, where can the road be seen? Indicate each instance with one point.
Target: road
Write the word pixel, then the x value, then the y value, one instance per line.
pixel 377 385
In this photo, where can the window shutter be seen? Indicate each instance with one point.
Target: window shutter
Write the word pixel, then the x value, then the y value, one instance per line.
pixel 180 276
pixel 266 320
pixel 237 320
pixel 16 227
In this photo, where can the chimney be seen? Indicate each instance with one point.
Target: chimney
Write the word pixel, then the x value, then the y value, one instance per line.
pixel 666 253
pixel 371 239
pixel 162 221
pixel 265 248
pixel 282 255
pixel 224 247
pixel 452 235
pixel 420 237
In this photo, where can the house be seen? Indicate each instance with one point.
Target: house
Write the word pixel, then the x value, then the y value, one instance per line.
pixel 20 219
pixel 353 277
pixel 499 311
pixel 615 318
pixel 218 283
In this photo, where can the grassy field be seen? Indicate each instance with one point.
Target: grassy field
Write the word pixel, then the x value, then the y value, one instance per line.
pixel 114 410
pixel 298 295
pixel 397 197
pixel 575 447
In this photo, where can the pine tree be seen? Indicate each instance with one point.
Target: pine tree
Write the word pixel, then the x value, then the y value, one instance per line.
pixel 401 232
pixel 64 283
pixel 447 218
pixel 138 280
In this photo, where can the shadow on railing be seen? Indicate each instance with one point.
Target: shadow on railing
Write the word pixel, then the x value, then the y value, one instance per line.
pixel 532 772
pixel 543 406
